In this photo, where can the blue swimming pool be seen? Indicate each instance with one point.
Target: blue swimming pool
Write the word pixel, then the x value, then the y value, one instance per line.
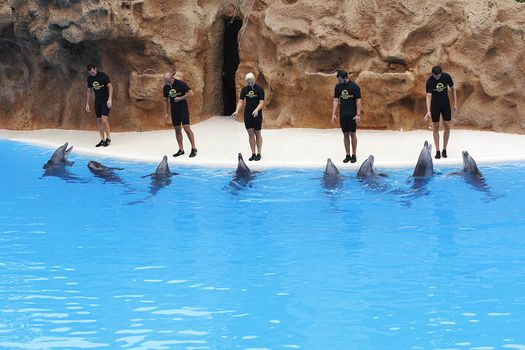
pixel 281 262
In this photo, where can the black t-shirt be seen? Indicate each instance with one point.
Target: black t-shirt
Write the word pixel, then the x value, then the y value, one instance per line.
pixel 439 88
pixel 252 94
pixel 348 94
pixel 178 89
pixel 99 84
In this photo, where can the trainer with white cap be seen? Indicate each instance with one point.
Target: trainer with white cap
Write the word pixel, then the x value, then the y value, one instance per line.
pixel 253 95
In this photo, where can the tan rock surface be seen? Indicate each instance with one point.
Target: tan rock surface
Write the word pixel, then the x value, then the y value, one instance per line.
pixel 293 47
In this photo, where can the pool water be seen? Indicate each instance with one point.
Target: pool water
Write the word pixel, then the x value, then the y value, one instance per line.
pixel 283 261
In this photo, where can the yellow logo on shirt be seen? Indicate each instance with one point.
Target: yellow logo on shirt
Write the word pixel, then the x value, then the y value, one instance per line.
pixel 97 86
pixel 173 93
pixel 440 87
pixel 345 95
pixel 252 94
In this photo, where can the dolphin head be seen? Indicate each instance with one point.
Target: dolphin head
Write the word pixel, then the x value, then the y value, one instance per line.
pixel 59 156
pixel 469 165
pixel 367 168
pixel 95 166
pixel 163 168
pixel 330 168
pixel 424 166
pixel 242 168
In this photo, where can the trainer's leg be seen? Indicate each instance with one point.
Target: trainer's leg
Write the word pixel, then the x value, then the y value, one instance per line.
pixel 105 127
pixel 251 139
pixel 191 137
pixel 346 141
pixel 100 128
pixel 446 134
pixel 435 131
pixel 178 136
pixel 258 141
pixel 353 136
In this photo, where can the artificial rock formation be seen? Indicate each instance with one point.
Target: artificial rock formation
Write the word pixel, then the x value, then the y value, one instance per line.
pixel 292 46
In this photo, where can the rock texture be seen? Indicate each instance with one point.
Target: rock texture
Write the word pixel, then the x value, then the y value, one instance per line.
pixel 293 46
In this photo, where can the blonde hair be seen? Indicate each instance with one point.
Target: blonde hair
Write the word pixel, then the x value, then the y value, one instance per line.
pixel 250 76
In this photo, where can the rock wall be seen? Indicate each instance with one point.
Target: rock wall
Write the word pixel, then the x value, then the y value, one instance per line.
pixel 292 46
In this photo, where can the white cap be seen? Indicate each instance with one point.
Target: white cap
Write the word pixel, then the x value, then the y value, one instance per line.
pixel 250 76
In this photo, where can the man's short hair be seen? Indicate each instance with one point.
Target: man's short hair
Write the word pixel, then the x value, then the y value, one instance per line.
pixel 342 74
pixel 436 70
pixel 91 66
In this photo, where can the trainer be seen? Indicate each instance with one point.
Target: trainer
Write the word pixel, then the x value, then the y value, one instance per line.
pixel 438 105
pixel 178 92
pixel 253 95
pixel 347 96
pixel 100 83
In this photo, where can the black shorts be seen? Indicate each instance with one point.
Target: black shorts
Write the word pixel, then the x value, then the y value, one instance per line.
pixel 251 122
pixel 348 123
pixel 441 109
pixel 179 118
pixel 101 109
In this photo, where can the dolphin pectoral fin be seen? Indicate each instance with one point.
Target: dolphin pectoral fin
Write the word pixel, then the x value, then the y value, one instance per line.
pixel 145 176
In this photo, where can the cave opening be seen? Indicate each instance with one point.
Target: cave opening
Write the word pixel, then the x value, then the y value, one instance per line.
pixel 231 61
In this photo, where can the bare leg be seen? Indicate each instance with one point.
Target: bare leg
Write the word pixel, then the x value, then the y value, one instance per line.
pixel 258 140
pixel 346 141
pixel 100 128
pixel 446 134
pixel 353 136
pixel 435 131
pixel 178 136
pixel 105 127
pixel 251 139
pixel 189 132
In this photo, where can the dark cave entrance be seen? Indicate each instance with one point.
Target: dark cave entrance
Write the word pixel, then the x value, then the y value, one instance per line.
pixel 230 63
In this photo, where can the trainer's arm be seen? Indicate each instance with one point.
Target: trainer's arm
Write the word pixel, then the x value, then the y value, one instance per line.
pixel 455 98
pixel 429 99
pixel 334 109
pixel 258 108
pixel 358 114
pixel 110 98
pixel 88 98
pixel 239 106
pixel 185 96
pixel 166 104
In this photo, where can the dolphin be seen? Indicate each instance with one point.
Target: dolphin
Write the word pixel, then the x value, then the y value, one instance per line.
pixel 243 176
pixel 421 176
pixel 161 177
pixel 367 175
pixel 58 165
pixel 242 168
pixel 424 166
pixel 332 179
pixel 59 157
pixel 473 175
pixel 367 168
pixel 105 173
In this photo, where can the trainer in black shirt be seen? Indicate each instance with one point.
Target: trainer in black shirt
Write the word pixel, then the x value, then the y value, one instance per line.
pixel 253 96
pixel 347 97
pixel 438 104
pixel 177 92
pixel 99 82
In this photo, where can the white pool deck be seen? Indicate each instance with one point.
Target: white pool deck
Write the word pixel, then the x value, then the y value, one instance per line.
pixel 220 139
